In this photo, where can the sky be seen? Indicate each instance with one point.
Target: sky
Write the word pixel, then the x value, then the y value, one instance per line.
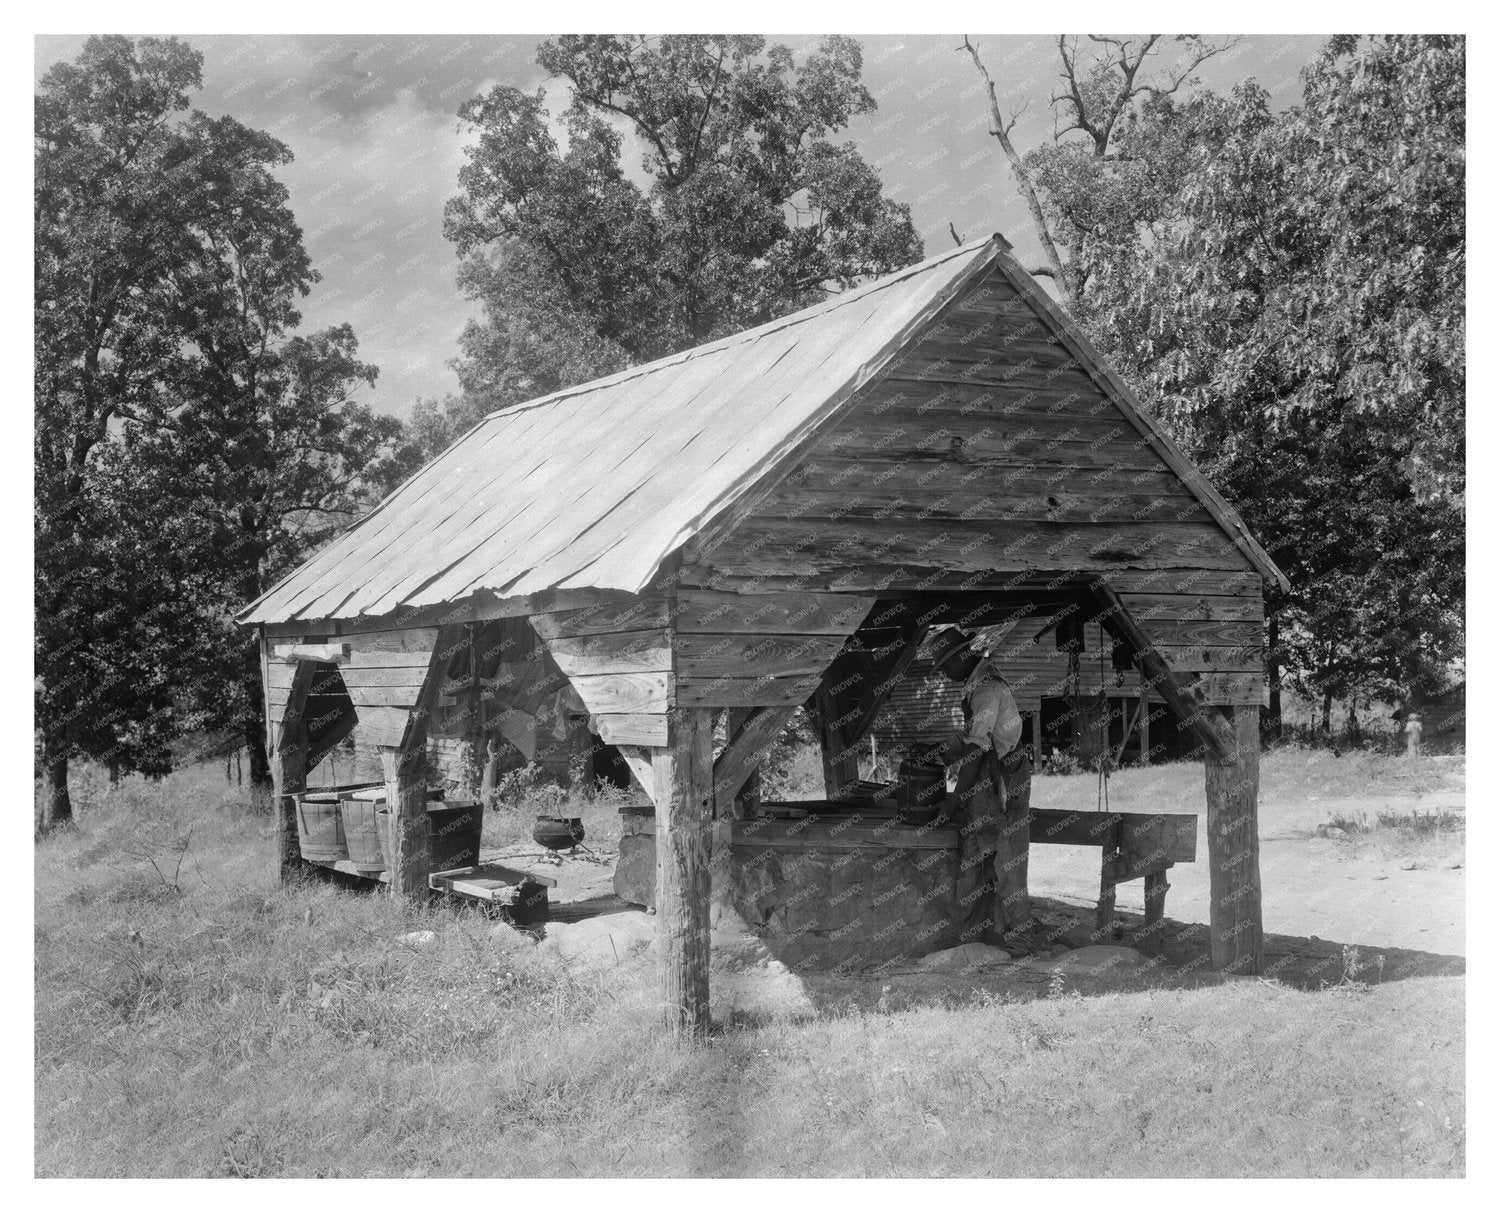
pixel 371 120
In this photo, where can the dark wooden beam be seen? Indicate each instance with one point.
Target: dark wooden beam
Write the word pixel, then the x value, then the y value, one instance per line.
pixel 1207 724
pixel 743 753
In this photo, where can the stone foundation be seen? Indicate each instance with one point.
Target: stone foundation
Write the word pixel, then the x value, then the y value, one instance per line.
pixel 833 890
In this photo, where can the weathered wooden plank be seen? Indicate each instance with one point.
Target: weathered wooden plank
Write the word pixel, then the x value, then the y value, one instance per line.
pixel 292 653
pixel 899 498
pixel 1209 610
pixel 918 397
pixel 1159 837
pixel 415 642
pixel 744 692
pixel 637 614
pixel 764 614
pixel 1097 445
pixel 1195 582
pixel 613 652
pixel 704 655
pixel 630 728
pixel 624 693
pixel 413 658
pixel 403 696
pixel 383 676
pixel 1211 658
pixel 874 478
pixel 382 726
pixel 805 547
pixel 1246 689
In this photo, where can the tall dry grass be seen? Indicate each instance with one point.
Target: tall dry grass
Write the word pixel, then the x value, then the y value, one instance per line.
pixel 195 1019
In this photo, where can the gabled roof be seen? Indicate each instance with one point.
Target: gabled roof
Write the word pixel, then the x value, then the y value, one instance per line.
pixel 595 486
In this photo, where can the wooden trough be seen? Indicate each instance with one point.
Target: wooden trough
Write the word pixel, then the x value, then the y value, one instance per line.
pixel 770 522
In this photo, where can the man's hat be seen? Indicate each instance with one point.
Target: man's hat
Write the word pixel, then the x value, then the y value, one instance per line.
pixel 949 643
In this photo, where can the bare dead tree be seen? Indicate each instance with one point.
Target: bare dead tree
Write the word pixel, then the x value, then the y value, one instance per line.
pixel 1001 129
pixel 1098 89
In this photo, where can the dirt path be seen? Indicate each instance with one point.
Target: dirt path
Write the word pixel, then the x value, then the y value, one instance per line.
pixel 1353 891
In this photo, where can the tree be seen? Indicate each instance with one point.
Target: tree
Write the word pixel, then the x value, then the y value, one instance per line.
pixel 1287 289
pixel 170 396
pixel 1103 83
pixel 749 212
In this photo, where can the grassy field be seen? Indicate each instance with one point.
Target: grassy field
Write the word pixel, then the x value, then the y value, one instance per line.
pixel 194 1019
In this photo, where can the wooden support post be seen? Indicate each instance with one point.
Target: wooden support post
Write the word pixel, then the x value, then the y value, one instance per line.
pixel 1156 897
pixel 286 746
pixel 289 775
pixel 1104 912
pixel 406 798
pixel 1036 737
pixel 1234 846
pixel 405 770
pixel 683 777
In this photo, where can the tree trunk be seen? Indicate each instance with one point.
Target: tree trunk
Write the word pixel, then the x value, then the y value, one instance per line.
pixel 260 765
pixel 1327 713
pixel 57 804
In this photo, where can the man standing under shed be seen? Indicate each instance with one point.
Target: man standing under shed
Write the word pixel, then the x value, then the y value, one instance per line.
pixel 994 778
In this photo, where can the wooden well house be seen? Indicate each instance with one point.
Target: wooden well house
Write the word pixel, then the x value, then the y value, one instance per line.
pixel 776 520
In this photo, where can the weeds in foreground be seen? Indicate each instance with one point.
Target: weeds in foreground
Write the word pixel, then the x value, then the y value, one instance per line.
pixel 213 1024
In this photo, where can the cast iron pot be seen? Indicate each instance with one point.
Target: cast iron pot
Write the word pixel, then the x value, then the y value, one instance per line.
pixel 558 833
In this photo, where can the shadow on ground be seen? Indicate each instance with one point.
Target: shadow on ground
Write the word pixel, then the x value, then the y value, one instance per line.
pixel 1176 956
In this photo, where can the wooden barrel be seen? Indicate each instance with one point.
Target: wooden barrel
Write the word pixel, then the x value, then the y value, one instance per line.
pixel 320 828
pixel 362 834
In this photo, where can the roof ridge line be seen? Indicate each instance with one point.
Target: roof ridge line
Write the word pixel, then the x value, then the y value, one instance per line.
pixel 804 316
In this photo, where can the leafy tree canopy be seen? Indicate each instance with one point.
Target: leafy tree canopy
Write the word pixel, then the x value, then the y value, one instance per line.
pixel 189 445
pixel 749 209
pixel 1288 289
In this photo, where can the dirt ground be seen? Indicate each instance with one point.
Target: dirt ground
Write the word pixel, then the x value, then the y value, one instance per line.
pixel 1351 890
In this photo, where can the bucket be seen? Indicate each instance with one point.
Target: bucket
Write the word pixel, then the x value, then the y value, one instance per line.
pixel 920 790
pixel 320 828
pixel 362 834
pixel 453 830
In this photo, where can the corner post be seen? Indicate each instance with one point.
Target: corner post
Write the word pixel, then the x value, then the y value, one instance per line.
pixel 405 769
pixel 682 772
pixel 286 749
pixel 1233 785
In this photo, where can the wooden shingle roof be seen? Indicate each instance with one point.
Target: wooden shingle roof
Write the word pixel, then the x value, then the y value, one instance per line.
pixel 595 486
